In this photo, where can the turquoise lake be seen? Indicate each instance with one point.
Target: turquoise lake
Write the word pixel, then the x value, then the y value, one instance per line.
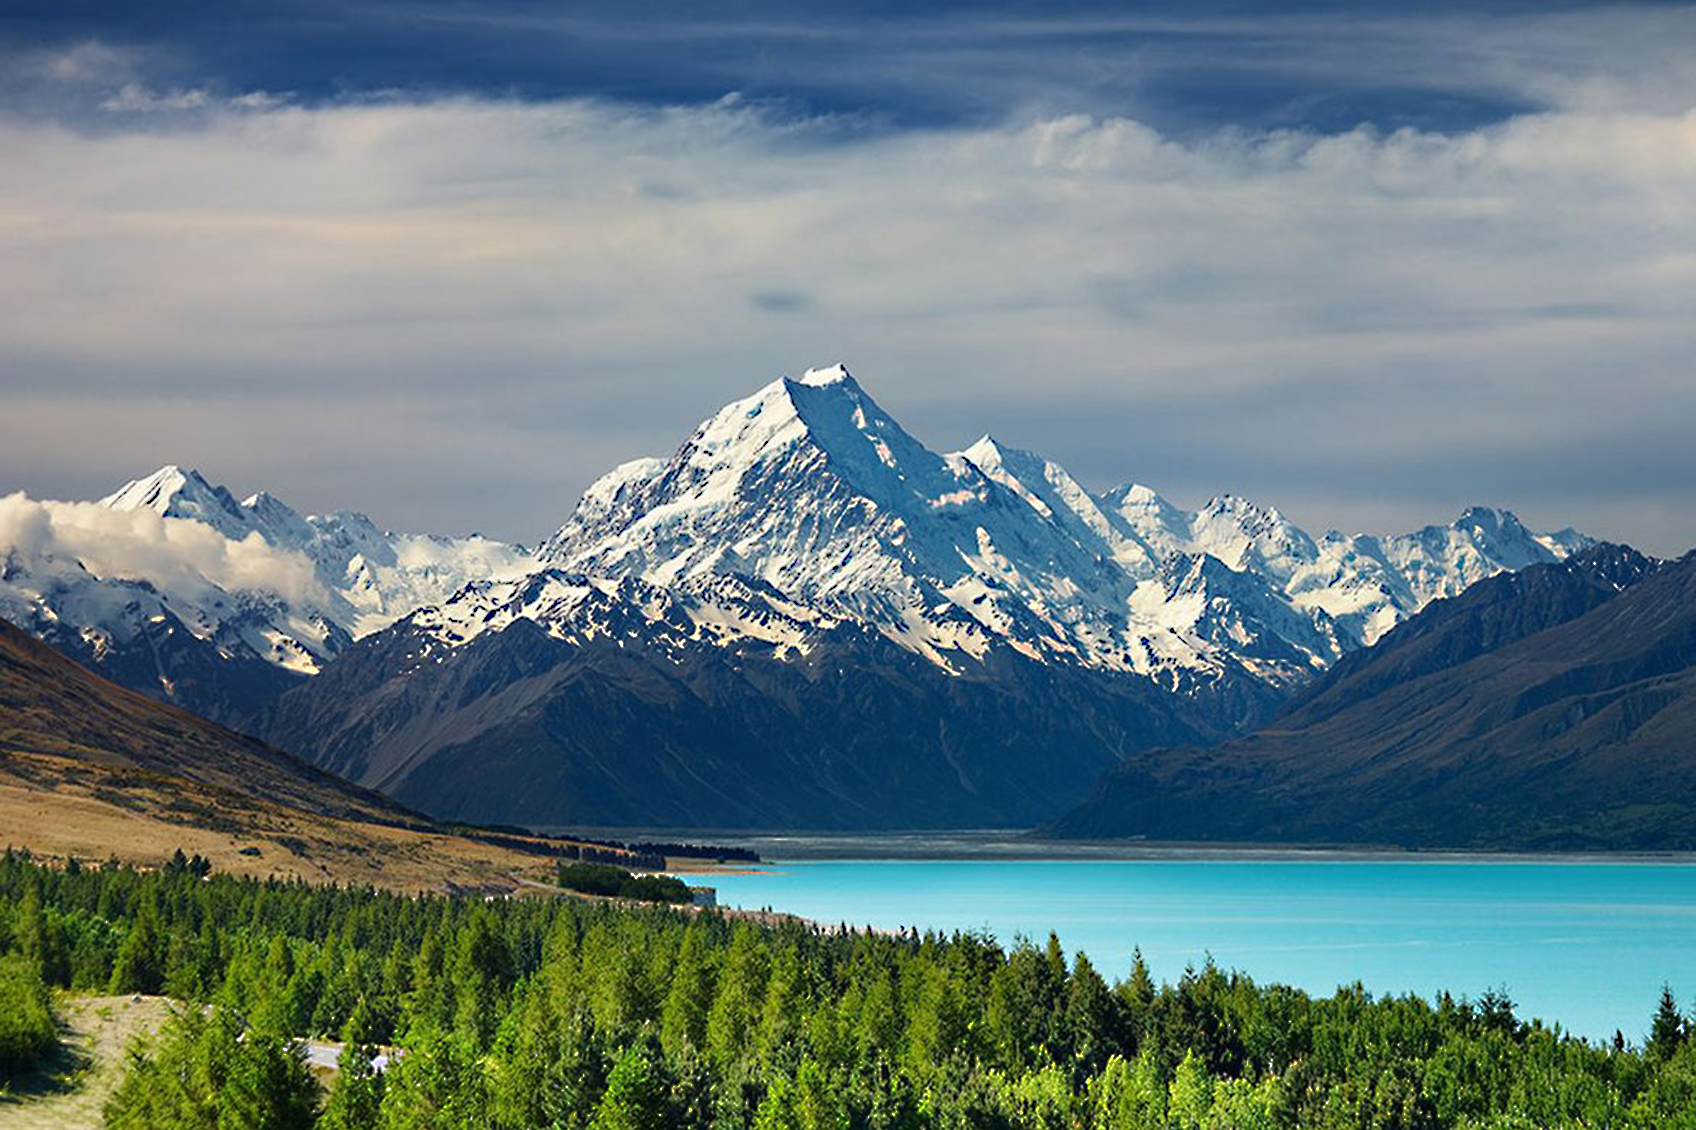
pixel 1586 945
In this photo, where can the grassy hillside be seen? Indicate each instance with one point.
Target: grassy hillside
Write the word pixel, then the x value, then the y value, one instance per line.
pixel 90 770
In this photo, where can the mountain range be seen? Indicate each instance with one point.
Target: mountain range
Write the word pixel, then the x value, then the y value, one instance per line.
pixel 804 616
pixel 171 587
pixel 1550 708
pixel 90 770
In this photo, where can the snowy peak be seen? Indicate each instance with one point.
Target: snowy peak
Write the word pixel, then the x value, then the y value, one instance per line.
pixel 809 487
pixel 836 374
pixel 794 484
pixel 158 490
pixel 1246 535
pixel 177 492
pixel 1154 519
pixel 251 580
pixel 1054 494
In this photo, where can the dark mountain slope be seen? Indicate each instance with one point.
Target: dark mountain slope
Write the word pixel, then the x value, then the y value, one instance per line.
pixel 1488 615
pixel 521 726
pixel 219 679
pixel 51 705
pixel 91 770
pixel 1551 708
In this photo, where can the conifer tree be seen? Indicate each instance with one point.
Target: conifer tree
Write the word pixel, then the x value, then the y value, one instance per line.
pixel 683 1021
pixel 635 1097
pixel 1668 1029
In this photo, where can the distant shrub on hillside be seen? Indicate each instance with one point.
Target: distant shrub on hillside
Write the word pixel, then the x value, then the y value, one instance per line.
pixel 27 1030
pixel 615 882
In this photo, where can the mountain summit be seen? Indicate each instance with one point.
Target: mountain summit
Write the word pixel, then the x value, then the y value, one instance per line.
pixel 171 587
pixel 811 487
pixel 805 616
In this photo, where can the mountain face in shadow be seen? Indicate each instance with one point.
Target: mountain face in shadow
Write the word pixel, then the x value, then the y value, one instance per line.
pixel 1550 708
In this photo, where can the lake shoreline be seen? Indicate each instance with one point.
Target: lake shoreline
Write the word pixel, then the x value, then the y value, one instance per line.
pixel 1020 845
pixel 1586 944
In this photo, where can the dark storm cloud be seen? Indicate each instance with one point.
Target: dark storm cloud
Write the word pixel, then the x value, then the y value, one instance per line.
pixel 1176 65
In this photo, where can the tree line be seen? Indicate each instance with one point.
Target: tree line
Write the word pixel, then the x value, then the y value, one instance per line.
pixel 615 882
pixel 556 1012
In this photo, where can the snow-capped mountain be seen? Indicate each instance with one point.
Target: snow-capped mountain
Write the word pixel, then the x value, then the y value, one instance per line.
pixel 811 488
pixel 372 577
pixel 171 586
pixel 804 615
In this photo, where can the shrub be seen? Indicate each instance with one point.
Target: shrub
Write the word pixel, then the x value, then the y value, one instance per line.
pixel 604 879
pixel 27 1029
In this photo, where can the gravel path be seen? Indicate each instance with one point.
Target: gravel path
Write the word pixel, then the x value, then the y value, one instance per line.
pixel 69 1096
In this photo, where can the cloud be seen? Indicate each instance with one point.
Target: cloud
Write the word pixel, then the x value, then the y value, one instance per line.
pixel 454 312
pixel 781 301
pixel 134 97
pixel 174 554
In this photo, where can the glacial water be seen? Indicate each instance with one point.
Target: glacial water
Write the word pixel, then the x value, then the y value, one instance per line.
pixel 1586 945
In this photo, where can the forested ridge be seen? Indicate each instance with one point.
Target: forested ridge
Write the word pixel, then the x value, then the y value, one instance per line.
pixel 559 1012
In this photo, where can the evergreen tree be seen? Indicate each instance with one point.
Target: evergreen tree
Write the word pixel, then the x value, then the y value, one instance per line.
pixel 203 1073
pixel 1136 1004
pixel 683 1021
pixel 28 1031
pixel 1668 1030
pixel 1088 1023
pixel 777 1110
pixel 139 966
pixel 437 1085
pixel 783 1011
pixel 635 1097
pixel 1191 1094
pixel 935 1027
pixel 736 1003
pixel 356 1100
pixel 482 976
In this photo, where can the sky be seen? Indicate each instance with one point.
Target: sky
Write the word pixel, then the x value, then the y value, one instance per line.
pixel 445 262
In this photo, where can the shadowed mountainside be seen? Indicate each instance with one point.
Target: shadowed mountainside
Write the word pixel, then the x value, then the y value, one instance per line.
pixel 1551 708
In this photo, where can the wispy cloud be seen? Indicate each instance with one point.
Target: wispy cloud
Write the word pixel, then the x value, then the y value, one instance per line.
pixel 455 310
pixel 171 553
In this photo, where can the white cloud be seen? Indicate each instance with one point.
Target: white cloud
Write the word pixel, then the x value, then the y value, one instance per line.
pixel 173 554
pixel 529 293
pixel 135 97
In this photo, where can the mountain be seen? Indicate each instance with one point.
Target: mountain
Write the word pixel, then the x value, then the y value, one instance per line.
pixel 806 617
pixel 1549 708
pixel 171 587
pixel 810 487
pixel 88 768
pixel 709 704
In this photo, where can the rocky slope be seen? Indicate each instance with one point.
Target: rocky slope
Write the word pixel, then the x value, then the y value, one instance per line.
pixel 1555 707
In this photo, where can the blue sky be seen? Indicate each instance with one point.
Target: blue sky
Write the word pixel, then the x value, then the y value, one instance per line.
pixel 445 262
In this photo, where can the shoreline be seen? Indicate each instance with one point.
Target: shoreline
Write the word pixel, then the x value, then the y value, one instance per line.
pixel 1017 845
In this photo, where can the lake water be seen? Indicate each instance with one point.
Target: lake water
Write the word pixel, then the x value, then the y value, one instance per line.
pixel 1583 944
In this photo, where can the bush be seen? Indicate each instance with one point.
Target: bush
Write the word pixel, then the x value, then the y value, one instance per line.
pixel 615 882
pixel 202 1070
pixel 27 1029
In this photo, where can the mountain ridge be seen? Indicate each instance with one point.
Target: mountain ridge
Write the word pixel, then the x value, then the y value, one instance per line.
pixel 1551 708
pixel 794 534
pixel 804 586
